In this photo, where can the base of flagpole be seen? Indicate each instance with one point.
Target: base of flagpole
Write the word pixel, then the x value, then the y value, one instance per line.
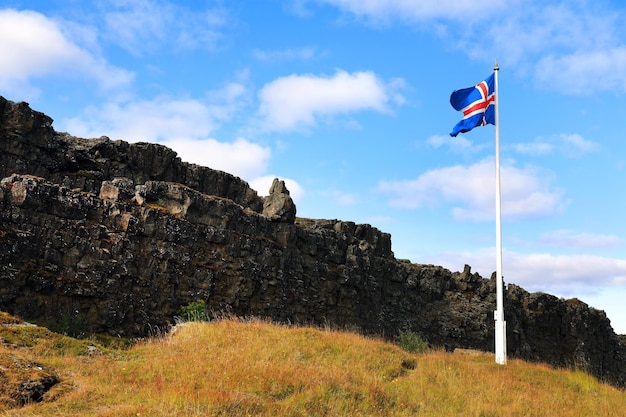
pixel 500 341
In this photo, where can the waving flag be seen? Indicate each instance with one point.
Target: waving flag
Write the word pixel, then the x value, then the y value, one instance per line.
pixel 477 104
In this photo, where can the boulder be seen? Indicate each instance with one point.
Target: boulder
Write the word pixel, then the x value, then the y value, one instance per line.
pixel 279 205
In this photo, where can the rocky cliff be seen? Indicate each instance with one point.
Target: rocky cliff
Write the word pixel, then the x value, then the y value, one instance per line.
pixel 119 236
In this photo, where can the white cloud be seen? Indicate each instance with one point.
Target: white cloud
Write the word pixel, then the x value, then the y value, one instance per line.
pixel 597 280
pixel 262 186
pixel 471 189
pixel 162 118
pixel 183 124
pixel 241 158
pixel 570 239
pixel 564 275
pixel 298 101
pixel 34 46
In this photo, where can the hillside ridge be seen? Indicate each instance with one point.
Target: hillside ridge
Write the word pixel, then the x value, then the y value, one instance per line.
pixel 256 367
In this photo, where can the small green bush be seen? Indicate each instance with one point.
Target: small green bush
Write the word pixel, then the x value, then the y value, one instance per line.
pixel 412 342
pixel 194 311
pixel 73 324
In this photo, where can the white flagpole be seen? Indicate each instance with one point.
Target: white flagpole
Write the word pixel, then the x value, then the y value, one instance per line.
pixel 500 330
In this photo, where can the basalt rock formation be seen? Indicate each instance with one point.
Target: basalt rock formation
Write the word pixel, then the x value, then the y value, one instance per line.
pixel 119 236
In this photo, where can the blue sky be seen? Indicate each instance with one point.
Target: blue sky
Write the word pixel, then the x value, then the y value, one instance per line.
pixel 348 102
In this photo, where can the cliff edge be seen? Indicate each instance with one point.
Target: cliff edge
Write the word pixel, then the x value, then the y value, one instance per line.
pixel 119 236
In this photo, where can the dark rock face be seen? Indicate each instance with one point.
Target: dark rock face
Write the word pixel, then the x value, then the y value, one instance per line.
pixel 124 235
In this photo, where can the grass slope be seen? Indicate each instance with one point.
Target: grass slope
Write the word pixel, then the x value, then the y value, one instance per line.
pixel 255 368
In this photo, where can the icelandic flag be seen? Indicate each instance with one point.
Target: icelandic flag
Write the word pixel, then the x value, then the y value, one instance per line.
pixel 477 104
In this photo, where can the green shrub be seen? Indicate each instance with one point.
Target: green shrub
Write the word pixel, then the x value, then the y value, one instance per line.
pixel 194 311
pixel 412 342
pixel 73 324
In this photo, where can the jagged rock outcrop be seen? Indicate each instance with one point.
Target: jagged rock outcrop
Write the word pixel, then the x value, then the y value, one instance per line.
pixel 279 205
pixel 122 235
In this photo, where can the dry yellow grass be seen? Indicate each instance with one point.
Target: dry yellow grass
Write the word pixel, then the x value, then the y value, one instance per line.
pixel 254 368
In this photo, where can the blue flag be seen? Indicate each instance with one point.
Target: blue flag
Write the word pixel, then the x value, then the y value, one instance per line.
pixel 477 104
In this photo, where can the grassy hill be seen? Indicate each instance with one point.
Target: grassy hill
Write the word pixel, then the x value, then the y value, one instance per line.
pixel 255 368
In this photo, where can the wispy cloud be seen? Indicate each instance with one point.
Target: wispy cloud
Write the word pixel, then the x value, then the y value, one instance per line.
pixel 570 145
pixel 143 26
pixel 301 101
pixel 572 240
pixel 340 198
pixel 281 55
pixel 454 144
pixel 380 11
pixel 571 47
pixel 526 192
pixel 576 143
pixel 575 47
pixel 584 72
pixel 536 147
